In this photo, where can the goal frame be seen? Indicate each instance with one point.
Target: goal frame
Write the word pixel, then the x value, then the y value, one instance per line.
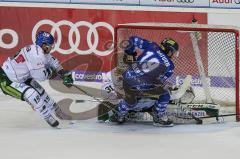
pixel 190 28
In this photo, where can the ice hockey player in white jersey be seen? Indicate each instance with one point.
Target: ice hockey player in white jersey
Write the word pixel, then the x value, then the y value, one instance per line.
pixel 19 76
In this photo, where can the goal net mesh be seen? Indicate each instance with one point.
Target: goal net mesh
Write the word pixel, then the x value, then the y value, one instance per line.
pixel 218 52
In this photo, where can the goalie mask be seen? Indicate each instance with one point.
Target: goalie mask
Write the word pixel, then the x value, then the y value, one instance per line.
pixel 45 40
pixel 169 46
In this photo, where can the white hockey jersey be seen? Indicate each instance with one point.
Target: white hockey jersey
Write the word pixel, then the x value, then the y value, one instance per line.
pixel 30 62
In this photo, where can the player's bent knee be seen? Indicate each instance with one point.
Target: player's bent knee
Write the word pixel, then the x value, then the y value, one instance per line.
pixel 32 97
pixel 165 98
pixel 49 102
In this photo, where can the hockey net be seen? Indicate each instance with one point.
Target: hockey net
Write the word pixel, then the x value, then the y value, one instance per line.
pixel 210 54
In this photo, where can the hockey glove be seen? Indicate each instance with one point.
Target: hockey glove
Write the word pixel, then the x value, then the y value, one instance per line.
pixel 67 79
pixel 128 52
pixel 49 72
pixel 128 59
pixel 53 73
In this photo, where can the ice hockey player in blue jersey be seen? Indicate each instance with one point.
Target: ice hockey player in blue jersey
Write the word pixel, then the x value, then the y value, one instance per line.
pixel 146 76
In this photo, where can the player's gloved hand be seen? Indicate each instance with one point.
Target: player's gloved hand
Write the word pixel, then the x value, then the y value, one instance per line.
pixel 67 79
pixel 168 85
pixel 52 73
pixel 49 72
pixel 128 59
pixel 128 52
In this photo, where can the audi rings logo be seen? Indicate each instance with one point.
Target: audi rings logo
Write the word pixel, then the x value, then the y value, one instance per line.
pixel 14 36
pixel 237 1
pixel 74 30
pixel 185 1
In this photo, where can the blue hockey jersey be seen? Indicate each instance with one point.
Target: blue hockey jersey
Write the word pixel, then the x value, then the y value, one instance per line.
pixel 152 67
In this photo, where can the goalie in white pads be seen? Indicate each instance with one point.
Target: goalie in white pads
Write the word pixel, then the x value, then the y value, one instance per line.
pixel 19 76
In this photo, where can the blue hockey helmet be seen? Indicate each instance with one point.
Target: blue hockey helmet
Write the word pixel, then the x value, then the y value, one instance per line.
pixel 44 37
pixel 169 45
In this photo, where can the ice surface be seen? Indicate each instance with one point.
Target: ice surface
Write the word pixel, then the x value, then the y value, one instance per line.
pixel 23 135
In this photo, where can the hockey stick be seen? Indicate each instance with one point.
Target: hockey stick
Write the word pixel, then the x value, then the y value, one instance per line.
pixel 95 98
pixel 176 95
pixel 82 100
pixel 86 93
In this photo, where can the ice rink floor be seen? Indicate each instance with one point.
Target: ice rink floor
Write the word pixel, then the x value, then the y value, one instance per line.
pixel 23 135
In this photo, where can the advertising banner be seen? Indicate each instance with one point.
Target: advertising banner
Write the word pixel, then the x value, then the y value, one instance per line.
pixel 221 4
pixel 136 2
pixel 54 1
pixel 83 36
pixel 180 3
pixel 225 3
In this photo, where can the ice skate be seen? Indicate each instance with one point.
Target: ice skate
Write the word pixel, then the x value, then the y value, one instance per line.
pixel 163 121
pixel 52 121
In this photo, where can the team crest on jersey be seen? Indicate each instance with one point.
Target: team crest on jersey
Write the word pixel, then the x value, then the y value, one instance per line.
pixel 40 63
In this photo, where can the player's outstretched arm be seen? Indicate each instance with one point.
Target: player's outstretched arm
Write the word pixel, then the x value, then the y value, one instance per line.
pixel 136 42
pixel 55 65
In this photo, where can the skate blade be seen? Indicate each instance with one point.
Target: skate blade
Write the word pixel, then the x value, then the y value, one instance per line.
pixel 161 125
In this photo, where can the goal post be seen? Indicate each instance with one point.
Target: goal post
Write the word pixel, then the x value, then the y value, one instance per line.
pixel 212 59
